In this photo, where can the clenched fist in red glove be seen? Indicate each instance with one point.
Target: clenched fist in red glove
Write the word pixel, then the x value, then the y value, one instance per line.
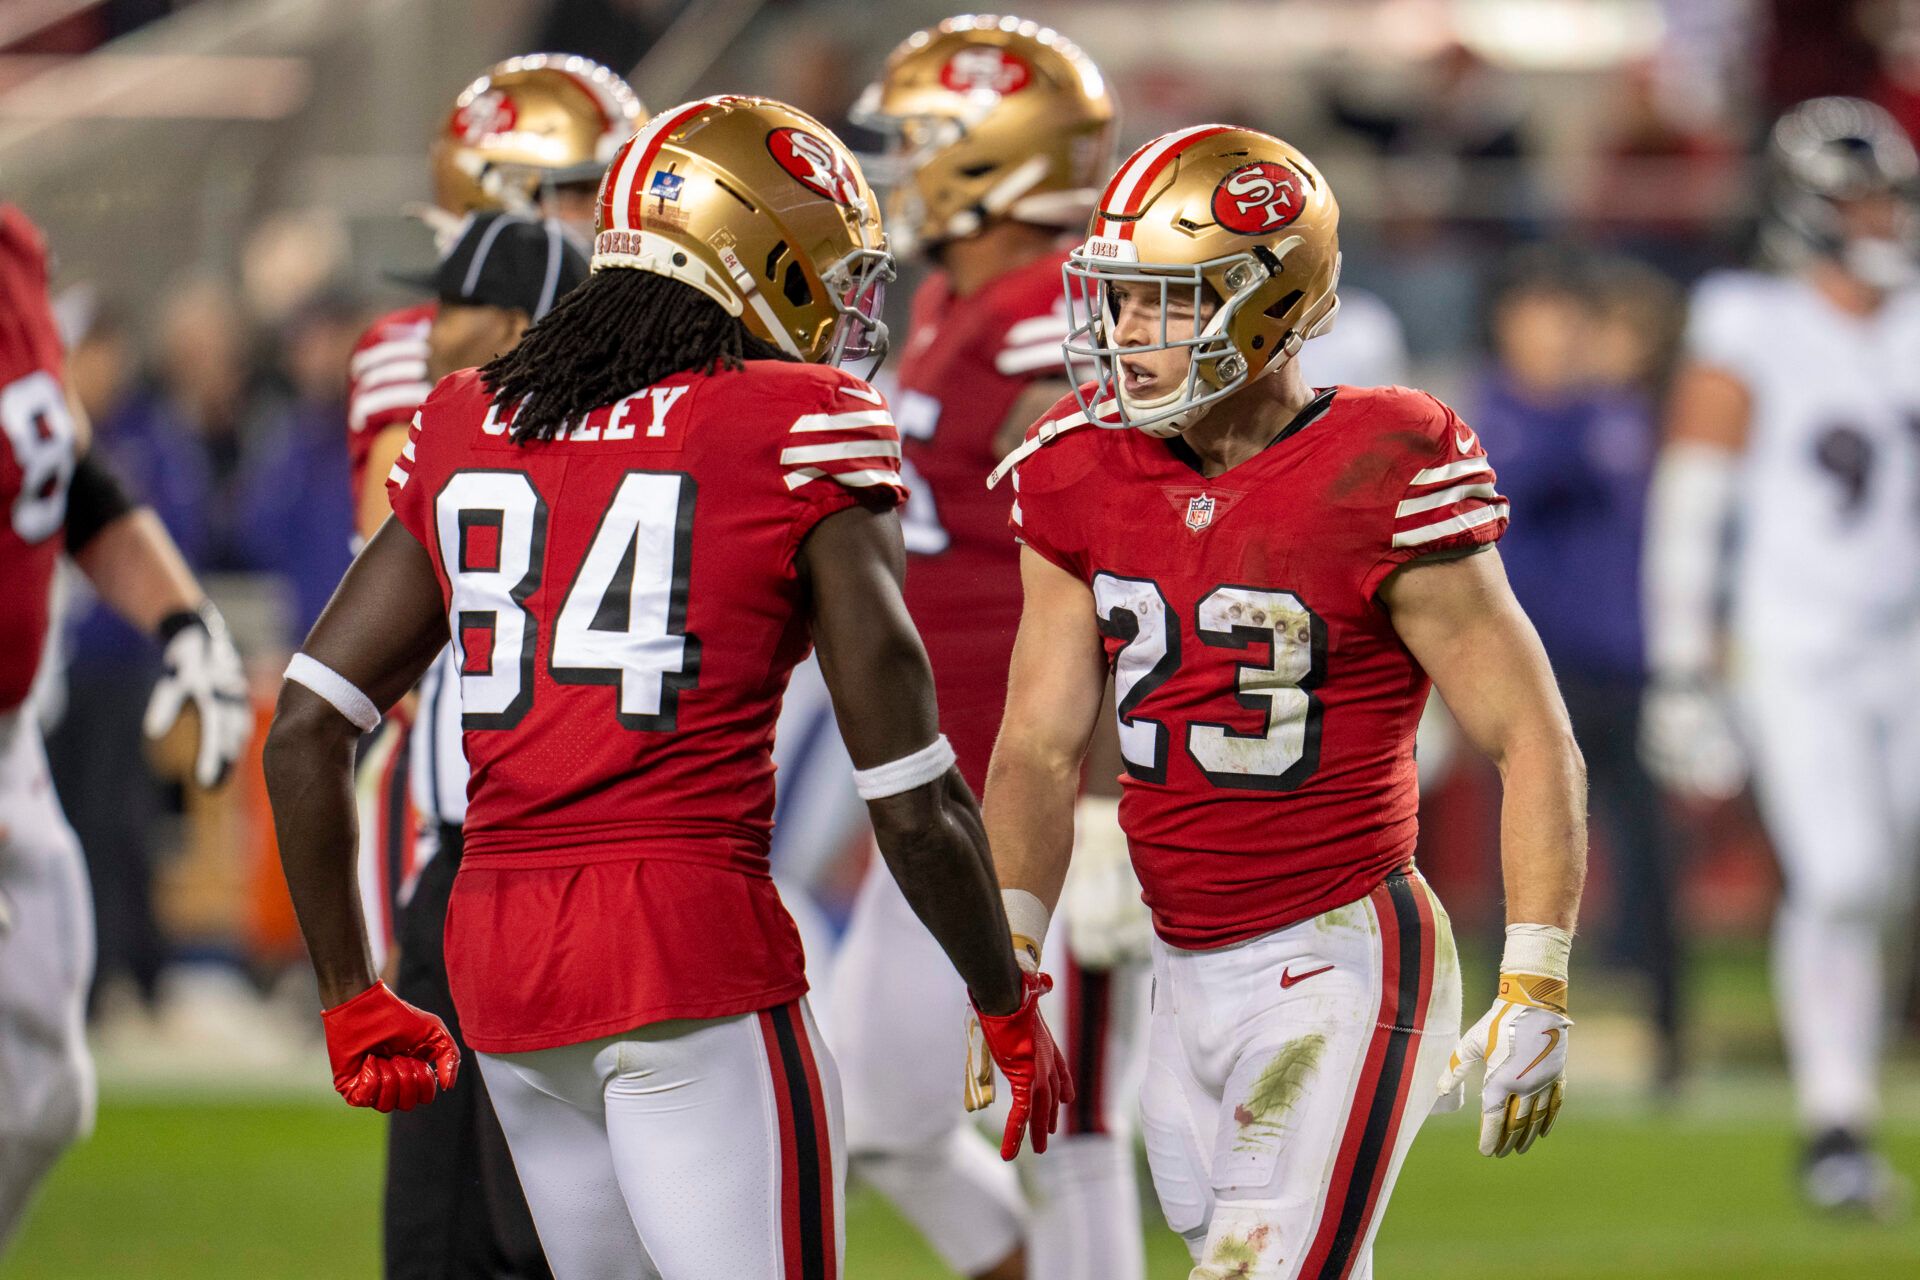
pixel 1024 1050
pixel 386 1054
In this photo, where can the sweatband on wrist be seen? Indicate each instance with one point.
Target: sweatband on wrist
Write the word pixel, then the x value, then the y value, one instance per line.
pixel 1027 920
pixel 895 776
pixel 339 692
pixel 1537 948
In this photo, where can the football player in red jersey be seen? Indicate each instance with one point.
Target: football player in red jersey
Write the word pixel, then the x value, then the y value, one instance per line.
pixel 531 136
pixel 1272 573
pixel 999 131
pixel 631 527
pixel 57 498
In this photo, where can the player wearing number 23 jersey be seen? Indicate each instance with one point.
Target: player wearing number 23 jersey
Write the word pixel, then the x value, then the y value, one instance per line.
pixel 1267 707
pixel 1272 573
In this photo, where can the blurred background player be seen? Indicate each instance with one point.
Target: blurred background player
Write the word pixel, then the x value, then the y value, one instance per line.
pixel 533 136
pixel 1272 574
pixel 59 499
pixel 1794 419
pixel 999 130
pixel 636 519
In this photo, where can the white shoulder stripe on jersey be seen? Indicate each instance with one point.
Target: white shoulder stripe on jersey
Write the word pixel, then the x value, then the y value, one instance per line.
pixel 842 421
pixel 406 451
pixel 1050 327
pixel 398 475
pixel 388 371
pixel 392 349
pixel 838 452
pixel 1445 528
pixel 853 479
pixel 1016 513
pixel 1031 359
pixel 1451 471
pixel 1444 498
pixel 382 399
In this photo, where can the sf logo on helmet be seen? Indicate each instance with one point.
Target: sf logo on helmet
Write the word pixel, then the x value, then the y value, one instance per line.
pixel 489 113
pixel 1258 197
pixel 815 164
pixel 984 69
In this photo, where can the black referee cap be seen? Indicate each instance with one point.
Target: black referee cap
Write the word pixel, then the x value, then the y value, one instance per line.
pixel 505 260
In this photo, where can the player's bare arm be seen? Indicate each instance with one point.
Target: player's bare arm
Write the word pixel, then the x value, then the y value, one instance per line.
pixel 133 563
pixel 1458 618
pixel 377 636
pixel 882 689
pixel 1054 693
pixel 1687 737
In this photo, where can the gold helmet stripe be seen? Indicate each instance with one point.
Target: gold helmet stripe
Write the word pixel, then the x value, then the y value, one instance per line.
pixel 1137 174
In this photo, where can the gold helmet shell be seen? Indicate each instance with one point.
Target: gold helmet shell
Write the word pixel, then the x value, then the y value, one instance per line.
pixel 529 124
pixel 760 207
pixel 1240 219
pixel 987 117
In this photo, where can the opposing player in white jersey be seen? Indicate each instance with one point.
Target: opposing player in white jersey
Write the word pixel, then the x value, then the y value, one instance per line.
pixel 1796 419
pixel 57 500
pixel 999 129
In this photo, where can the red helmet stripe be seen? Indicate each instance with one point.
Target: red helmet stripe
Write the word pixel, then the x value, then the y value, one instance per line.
pixel 621 196
pixel 1136 176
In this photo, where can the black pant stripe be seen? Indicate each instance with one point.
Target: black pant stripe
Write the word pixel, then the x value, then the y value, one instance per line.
pixel 806 1144
pixel 1089 1050
pixel 1373 1153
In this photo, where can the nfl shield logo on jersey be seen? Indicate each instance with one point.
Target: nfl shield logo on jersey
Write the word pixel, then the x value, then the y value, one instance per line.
pixel 1199 512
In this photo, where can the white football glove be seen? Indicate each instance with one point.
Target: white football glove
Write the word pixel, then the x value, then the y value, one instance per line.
pixel 204 669
pixel 1107 923
pixel 1688 742
pixel 1523 1041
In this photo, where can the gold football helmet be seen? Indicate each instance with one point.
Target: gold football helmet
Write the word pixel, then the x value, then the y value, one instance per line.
pixel 1245 225
pixel 527 125
pixel 987 118
pixel 761 208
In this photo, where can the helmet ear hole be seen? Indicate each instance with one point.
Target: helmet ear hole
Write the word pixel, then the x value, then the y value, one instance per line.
pixel 798 292
pixel 1278 310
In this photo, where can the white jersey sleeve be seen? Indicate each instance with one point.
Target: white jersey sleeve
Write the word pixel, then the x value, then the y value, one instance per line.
pixel 1732 322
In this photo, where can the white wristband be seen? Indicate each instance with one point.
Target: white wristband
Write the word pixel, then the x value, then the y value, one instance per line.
pixel 1027 921
pixel 340 693
pixel 1537 948
pixel 906 773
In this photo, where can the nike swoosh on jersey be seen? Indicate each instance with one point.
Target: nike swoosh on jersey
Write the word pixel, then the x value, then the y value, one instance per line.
pixel 861 393
pixel 1465 443
pixel 1289 978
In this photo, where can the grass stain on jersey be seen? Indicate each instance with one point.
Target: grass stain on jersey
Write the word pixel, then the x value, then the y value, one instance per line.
pixel 1235 1257
pixel 1263 1115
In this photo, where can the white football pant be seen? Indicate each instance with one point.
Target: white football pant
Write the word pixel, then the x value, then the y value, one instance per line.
pixel 897 1024
pixel 1836 771
pixel 1287 1077
pixel 686 1150
pixel 46 962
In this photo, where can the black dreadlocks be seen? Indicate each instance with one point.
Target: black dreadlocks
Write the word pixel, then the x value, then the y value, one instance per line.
pixel 621 331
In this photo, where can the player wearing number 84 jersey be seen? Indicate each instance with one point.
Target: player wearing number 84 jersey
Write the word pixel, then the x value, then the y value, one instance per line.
pixel 631 527
pixel 1271 572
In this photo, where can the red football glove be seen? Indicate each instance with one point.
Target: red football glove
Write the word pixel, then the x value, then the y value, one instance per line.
pixel 386 1054
pixel 1024 1050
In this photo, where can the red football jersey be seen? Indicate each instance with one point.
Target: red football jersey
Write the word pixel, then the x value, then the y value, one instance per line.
pixel 626 608
pixel 967 360
pixel 1267 707
pixel 38 462
pixel 386 381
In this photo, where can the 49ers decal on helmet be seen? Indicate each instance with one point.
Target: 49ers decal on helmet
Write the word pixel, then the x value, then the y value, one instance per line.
pixel 985 69
pixel 816 165
pixel 1258 198
pixel 487 114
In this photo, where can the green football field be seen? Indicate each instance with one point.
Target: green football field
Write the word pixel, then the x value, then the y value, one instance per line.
pixel 287 1188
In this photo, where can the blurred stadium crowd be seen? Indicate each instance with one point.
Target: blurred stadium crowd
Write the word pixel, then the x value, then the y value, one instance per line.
pixel 1527 189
